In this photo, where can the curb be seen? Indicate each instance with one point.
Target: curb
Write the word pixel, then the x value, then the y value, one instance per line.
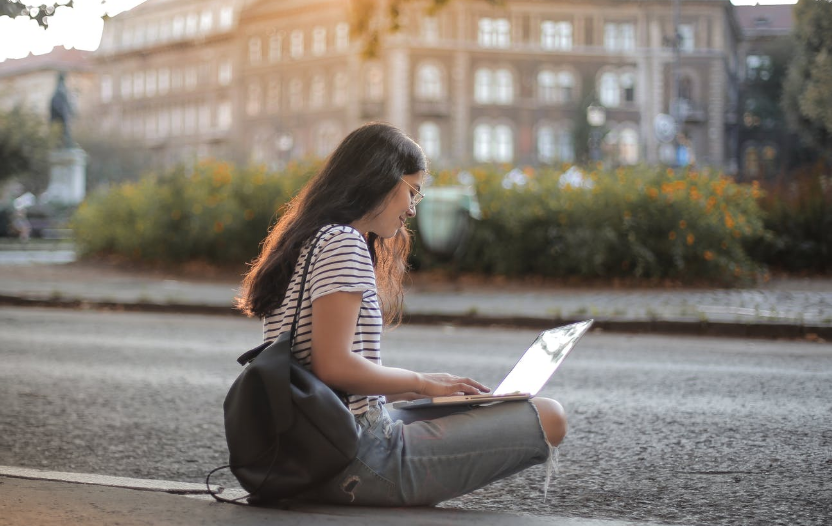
pixel 769 331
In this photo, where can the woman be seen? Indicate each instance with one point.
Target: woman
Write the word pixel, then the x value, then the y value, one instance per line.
pixel 357 207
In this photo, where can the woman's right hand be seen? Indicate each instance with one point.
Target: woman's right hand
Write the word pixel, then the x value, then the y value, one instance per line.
pixel 444 384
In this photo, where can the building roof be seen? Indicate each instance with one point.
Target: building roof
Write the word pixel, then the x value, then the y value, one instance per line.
pixel 59 59
pixel 765 19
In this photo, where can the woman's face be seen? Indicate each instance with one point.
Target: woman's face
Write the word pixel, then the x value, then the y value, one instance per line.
pixel 396 208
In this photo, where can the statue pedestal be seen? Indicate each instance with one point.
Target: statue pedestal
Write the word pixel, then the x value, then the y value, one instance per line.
pixel 67 176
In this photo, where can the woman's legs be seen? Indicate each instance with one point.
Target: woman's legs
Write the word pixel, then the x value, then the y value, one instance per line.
pixel 552 418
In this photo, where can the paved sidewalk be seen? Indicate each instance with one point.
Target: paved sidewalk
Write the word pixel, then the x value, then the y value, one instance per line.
pixel 33 497
pixel 792 308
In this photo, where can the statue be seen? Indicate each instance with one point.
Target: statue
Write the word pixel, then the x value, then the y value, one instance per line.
pixel 60 111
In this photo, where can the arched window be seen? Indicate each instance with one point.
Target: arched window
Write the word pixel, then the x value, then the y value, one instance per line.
pixel 565 151
pixel 255 50
pixel 295 94
pixel 628 146
pixel 627 80
pixel 254 99
pixel 504 87
pixel 342 36
pixel 566 83
pixel 503 144
pixel 429 139
pixel 296 44
pixel 482 86
pixel 609 90
pixel 317 92
pixel 319 41
pixel 429 84
pixel 547 86
pixel 482 143
pixel 546 144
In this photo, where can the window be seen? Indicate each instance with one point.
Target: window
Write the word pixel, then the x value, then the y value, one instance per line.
pixel 150 83
pixel 686 42
pixel 317 92
pixel 176 80
pixel 556 35
pixel 106 88
pixel 619 37
pixel 565 146
pixel 296 44
pixel 429 82
pixel 224 73
pixel 296 94
pixel 504 83
pixel 224 116
pixel 554 143
pixel 374 87
pixel 319 41
pixel 429 139
pixel 126 87
pixel 164 81
pixel 176 121
pixel 628 83
pixel 253 99
pixel 138 84
pixel 191 24
pixel 609 90
pixel 190 78
pixel 178 26
pixel 273 95
pixel 546 144
pixel 547 87
pixel 255 50
pixel 482 86
pixel 758 67
pixel 566 86
pixel 342 36
pixel 152 33
pixel 206 21
pixel 493 143
pixel 340 89
pixel 430 29
pixel 275 47
pixel 127 39
pixel 628 146
pixel 226 17
pixel 138 36
pixel 494 33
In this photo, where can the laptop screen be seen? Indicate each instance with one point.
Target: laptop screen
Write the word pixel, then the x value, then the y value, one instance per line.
pixel 541 360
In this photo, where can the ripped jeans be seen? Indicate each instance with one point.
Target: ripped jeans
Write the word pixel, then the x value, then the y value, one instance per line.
pixel 426 456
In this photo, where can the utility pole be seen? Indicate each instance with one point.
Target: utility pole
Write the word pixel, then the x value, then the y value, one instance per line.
pixel 674 94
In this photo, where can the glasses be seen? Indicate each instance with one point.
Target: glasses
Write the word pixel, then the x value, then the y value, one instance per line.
pixel 416 199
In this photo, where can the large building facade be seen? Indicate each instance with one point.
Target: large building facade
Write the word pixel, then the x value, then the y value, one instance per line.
pixel 272 80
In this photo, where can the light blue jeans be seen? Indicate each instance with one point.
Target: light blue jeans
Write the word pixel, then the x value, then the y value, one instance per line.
pixel 425 456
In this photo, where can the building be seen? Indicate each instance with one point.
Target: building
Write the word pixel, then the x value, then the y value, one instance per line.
pixel 30 81
pixel 765 144
pixel 272 80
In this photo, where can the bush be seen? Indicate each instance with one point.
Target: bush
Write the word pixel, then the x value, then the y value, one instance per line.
pixel 798 214
pixel 212 212
pixel 632 222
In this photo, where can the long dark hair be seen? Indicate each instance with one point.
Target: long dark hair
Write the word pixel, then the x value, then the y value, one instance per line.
pixel 354 181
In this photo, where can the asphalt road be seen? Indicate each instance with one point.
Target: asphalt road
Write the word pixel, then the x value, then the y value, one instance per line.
pixel 672 430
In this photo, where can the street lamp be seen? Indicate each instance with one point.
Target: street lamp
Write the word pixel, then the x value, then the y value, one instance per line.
pixel 596 116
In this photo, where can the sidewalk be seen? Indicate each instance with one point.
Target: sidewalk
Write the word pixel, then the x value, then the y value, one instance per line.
pixel 786 308
pixel 59 499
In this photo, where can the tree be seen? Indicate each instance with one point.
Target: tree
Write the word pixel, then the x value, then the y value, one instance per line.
pixel 807 97
pixel 25 141
pixel 38 13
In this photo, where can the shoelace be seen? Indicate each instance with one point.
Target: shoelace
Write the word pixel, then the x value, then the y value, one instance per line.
pixel 551 465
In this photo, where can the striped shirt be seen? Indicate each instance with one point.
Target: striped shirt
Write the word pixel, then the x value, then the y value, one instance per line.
pixel 341 263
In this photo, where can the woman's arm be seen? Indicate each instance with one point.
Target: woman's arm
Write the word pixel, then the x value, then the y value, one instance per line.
pixel 334 318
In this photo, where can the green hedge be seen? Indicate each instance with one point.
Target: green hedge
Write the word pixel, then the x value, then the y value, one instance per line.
pixel 212 212
pixel 632 222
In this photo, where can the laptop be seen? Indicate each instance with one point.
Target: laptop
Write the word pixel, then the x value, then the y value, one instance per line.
pixel 527 378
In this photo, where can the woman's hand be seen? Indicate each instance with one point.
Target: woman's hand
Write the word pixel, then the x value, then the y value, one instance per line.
pixel 444 384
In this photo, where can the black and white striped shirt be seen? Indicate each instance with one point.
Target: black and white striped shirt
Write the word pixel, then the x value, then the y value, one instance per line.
pixel 341 263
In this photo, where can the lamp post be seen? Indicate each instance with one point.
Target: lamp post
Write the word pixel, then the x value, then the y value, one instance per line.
pixel 596 117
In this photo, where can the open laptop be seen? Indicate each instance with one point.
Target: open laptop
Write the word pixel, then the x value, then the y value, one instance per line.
pixel 528 376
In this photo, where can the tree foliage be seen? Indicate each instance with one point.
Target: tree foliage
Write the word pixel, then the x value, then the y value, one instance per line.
pixel 807 97
pixel 25 141
pixel 39 13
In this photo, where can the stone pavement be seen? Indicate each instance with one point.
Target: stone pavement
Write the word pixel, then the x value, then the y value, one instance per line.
pixel 786 308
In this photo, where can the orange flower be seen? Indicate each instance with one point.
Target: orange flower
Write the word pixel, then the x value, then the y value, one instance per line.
pixel 729 221
pixel 671 235
pixel 653 193
pixel 690 239
pixel 218 227
pixel 683 224
pixel 708 255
